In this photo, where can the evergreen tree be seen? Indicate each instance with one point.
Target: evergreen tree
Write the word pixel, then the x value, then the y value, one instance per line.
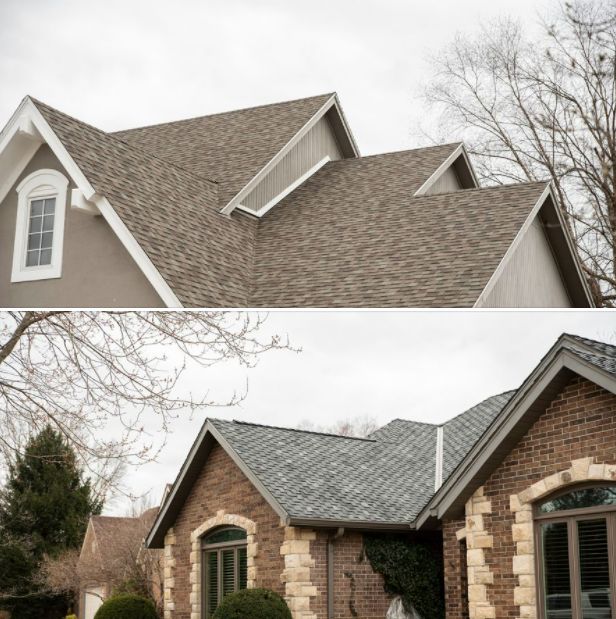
pixel 44 510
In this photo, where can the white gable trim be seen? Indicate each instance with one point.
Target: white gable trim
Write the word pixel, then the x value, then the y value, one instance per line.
pixel 282 195
pixel 460 150
pixel 245 191
pixel 28 116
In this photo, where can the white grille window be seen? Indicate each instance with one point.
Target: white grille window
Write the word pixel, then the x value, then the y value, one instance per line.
pixel 39 232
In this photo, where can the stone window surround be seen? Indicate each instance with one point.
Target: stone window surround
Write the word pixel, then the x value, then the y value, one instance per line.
pixel 523 530
pixel 221 519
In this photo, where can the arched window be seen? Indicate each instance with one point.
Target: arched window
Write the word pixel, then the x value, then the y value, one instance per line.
pixel 576 541
pixel 225 566
pixel 39 231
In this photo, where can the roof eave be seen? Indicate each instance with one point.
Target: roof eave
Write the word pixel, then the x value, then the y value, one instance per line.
pixel 335 523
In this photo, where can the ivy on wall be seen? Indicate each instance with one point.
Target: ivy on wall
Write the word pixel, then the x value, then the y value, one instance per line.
pixel 409 570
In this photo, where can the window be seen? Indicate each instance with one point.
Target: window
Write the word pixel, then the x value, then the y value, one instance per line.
pixel 576 539
pixel 39 233
pixel 224 566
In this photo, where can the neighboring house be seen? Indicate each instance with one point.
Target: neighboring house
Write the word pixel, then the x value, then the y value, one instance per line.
pixel 519 492
pixel 111 548
pixel 265 207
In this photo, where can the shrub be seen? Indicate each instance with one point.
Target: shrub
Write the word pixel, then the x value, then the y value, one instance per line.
pixel 71 617
pixel 253 604
pixel 127 607
pixel 409 570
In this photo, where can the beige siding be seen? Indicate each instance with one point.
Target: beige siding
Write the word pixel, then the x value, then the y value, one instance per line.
pixel 531 277
pixel 318 143
pixel 448 182
pixel 96 269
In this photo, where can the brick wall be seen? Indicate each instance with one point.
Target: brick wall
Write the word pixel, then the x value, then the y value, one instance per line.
pixel 221 485
pixel 454 558
pixel 579 423
pixel 359 592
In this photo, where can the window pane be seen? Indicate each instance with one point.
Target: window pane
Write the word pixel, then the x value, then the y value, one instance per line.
pixel 36 224
pixel 243 568
pixel 32 258
pixel 45 257
pixel 225 535
pixel 50 206
pixel 46 240
pixel 34 241
pixel 48 223
pixel 594 569
pixel 555 542
pixel 36 208
pixel 228 571
pixel 211 582
pixel 586 497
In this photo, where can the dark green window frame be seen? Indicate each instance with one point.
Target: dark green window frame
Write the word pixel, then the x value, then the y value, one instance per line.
pixel 224 566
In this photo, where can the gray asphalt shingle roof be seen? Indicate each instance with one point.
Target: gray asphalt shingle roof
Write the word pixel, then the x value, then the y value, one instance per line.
pixel 600 354
pixel 386 478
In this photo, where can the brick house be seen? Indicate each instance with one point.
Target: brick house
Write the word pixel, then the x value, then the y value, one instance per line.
pixel 518 494
pixel 271 206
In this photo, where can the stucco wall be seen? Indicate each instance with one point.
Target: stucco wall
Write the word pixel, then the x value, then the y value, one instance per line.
pixel 579 423
pixel 96 269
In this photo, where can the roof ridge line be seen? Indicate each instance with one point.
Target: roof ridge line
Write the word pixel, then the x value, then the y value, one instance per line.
pixel 263 425
pixel 234 111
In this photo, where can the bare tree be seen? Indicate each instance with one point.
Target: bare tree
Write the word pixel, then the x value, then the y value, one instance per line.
pixel 93 375
pixel 358 427
pixel 544 110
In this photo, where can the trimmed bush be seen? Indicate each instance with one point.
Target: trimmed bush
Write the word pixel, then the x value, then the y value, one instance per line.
pixel 253 604
pixel 71 617
pixel 127 607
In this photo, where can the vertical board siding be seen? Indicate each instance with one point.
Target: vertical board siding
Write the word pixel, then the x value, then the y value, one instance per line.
pixel 531 277
pixel 448 182
pixel 318 143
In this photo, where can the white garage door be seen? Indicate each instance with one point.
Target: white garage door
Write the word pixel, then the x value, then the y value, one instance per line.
pixel 92 602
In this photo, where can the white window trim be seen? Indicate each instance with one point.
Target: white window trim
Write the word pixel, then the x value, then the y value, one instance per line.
pixel 39 184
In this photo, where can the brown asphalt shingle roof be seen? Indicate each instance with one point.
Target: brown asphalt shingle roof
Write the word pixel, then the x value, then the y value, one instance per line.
pixel 113 535
pixel 352 235
pixel 171 212
pixel 230 147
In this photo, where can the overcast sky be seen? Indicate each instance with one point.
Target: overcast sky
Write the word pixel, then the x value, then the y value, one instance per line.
pixel 426 366
pixel 123 63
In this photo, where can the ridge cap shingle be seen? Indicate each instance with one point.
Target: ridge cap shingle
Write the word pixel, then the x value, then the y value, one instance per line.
pixel 324 96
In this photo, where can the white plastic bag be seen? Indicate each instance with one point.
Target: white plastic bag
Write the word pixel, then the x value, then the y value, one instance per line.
pixel 397 611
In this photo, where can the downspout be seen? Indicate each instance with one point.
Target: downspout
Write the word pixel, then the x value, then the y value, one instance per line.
pixel 330 571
